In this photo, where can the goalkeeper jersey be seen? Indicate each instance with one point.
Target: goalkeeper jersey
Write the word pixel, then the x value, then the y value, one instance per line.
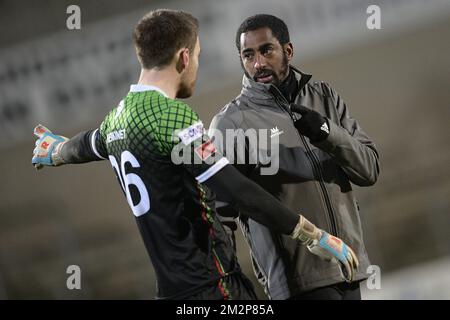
pixel 160 154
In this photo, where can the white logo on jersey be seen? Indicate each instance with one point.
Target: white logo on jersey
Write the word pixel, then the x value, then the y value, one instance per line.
pixel 191 133
pixel 119 109
pixel 116 135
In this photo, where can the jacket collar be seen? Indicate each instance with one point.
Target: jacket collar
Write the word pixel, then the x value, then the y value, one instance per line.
pixel 262 92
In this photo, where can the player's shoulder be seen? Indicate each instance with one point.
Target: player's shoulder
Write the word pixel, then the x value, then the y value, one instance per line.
pixel 180 106
pixel 180 113
pixel 177 121
pixel 110 116
pixel 320 87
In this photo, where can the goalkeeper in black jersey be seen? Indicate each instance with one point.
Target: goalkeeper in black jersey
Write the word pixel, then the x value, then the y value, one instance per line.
pixel 144 139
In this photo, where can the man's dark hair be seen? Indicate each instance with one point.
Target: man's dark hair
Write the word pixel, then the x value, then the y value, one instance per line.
pixel 160 33
pixel 276 25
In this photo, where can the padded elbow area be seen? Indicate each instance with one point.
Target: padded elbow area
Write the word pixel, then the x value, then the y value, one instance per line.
pixel 365 181
pixel 371 177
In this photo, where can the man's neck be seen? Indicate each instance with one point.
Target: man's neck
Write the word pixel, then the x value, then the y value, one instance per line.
pixel 165 79
pixel 289 86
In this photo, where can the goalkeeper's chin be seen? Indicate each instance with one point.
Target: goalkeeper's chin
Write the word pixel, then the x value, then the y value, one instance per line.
pixel 186 90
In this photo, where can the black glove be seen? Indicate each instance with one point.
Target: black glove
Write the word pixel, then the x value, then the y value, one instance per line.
pixel 312 124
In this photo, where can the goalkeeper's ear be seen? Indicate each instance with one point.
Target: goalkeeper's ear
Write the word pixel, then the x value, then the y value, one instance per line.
pixel 183 59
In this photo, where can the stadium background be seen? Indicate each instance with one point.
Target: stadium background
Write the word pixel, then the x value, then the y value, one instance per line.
pixel 396 82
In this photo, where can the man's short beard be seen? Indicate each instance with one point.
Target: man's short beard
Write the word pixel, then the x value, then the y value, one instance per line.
pixel 276 80
pixel 285 69
pixel 184 91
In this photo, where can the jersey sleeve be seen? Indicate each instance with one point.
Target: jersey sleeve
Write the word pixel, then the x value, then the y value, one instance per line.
pixel 183 137
pixel 98 140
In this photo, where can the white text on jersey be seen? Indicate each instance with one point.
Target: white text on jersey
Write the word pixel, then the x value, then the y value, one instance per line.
pixel 116 135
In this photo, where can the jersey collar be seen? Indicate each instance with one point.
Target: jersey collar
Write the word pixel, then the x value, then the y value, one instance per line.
pixel 143 87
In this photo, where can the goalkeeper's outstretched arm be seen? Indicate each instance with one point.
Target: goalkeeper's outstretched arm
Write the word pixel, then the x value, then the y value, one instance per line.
pixel 78 149
pixel 54 150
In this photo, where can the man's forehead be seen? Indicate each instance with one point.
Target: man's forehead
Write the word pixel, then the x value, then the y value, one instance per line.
pixel 254 38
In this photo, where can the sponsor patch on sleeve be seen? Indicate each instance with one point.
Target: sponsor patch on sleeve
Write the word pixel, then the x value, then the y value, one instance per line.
pixel 205 150
pixel 191 133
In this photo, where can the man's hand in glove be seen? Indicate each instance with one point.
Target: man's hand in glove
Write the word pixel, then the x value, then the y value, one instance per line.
pixel 312 124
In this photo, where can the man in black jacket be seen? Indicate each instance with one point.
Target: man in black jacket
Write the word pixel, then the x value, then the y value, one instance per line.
pixel 321 151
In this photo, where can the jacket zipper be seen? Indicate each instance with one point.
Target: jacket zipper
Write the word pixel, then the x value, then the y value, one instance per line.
pixel 316 168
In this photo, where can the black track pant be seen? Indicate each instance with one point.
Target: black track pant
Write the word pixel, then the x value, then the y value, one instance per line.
pixel 233 287
pixel 340 291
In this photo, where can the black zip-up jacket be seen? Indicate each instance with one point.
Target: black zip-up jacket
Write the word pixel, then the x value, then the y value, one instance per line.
pixel 313 179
